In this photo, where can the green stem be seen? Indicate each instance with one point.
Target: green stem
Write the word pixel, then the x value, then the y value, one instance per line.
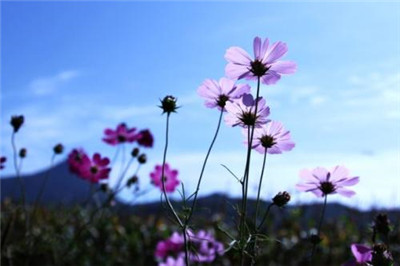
pixel 171 208
pixel 39 196
pixel 246 175
pixel 265 216
pixel 203 168
pixel 259 190
pixel 319 225
pixel 18 170
pixel 186 244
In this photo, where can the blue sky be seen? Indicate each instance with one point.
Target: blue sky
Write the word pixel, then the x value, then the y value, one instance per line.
pixel 75 68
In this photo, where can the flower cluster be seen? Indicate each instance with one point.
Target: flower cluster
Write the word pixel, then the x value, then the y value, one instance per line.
pixel 243 109
pixel 123 134
pixel 92 169
pixel 204 248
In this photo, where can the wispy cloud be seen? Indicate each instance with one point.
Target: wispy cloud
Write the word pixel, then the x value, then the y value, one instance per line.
pixel 48 85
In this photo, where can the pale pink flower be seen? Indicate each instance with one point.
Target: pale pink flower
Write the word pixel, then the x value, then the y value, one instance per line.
pixel 264 65
pixel 322 182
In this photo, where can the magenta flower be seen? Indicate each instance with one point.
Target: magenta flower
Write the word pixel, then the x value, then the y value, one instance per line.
pixel 242 112
pixel 204 248
pixel 362 253
pixel 96 169
pixel 145 138
pixel 321 182
pixel 271 137
pixel 216 93
pixel 173 262
pixel 265 64
pixel 170 178
pixel 77 160
pixel 207 248
pixel 121 135
pixel 92 170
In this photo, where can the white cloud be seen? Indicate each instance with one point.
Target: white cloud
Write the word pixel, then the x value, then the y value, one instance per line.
pixel 376 91
pixel 48 85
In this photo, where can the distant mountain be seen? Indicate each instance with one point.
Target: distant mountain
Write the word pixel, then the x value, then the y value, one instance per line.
pixel 62 187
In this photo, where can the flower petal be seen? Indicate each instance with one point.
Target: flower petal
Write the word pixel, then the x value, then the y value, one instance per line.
pixel 284 67
pixel 238 56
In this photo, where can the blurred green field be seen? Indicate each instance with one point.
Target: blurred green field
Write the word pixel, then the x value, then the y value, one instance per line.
pixel 111 236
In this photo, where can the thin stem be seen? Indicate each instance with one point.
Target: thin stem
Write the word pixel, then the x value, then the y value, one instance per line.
pixel 247 173
pixel 319 225
pixel 203 168
pixel 121 178
pixel 186 243
pixel 259 190
pixel 39 196
pixel 171 208
pixel 115 155
pixel 265 216
pixel 17 169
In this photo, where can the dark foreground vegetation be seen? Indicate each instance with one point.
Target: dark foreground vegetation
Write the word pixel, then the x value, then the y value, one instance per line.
pixel 122 235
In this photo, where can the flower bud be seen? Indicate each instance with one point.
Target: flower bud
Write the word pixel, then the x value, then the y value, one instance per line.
pixel 142 158
pixel 281 199
pixel 133 180
pixel 22 153
pixel 381 255
pixel 168 104
pixel 135 152
pixel 16 122
pixel 382 224
pixel 2 162
pixel 58 149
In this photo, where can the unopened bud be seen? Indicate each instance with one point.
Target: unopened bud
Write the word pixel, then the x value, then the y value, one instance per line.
pixel 281 199
pixel 135 152
pixel 22 153
pixel 16 122
pixel 381 255
pixel 382 224
pixel 168 104
pixel 133 180
pixel 58 149
pixel 142 158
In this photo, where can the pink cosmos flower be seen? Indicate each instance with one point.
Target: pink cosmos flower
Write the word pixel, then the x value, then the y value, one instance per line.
pixel 172 245
pixel 92 170
pixel 170 178
pixel 241 112
pixel 272 137
pixel 77 160
pixel 121 135
pixel 145 138
pixel 216 93
pixel 321 182
pixel 205 248
pixel 173 262
pixel 2 162
pixel 96 169
pixel 264 65
pixel 361 253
